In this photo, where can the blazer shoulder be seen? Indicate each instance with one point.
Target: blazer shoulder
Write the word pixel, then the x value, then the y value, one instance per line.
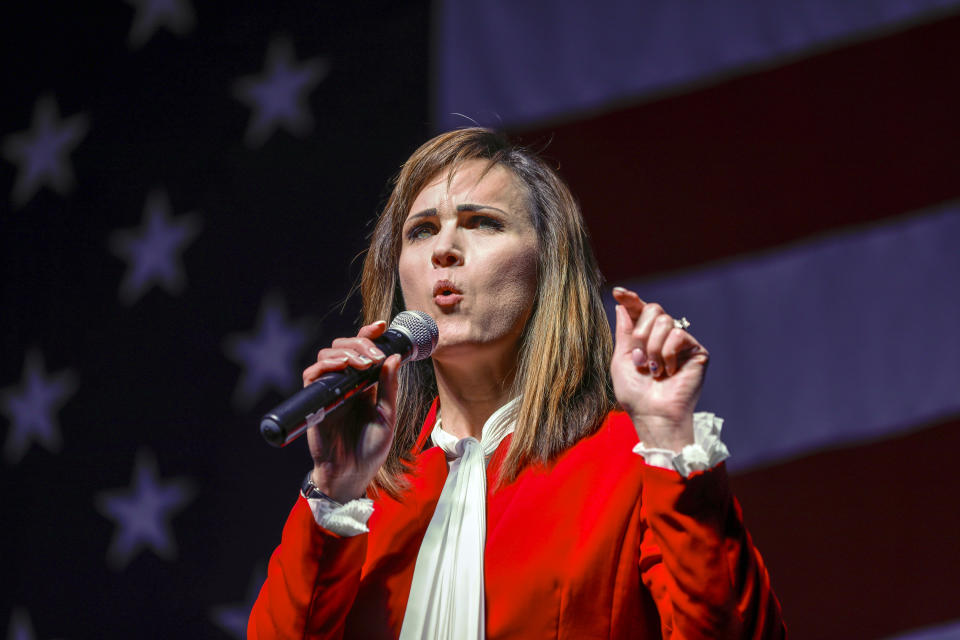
pixel 620 426
pixel 616 435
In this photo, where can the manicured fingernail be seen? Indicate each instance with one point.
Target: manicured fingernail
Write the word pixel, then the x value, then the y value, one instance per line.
pixel 639 357
pixel 364 359
pixel 380 323
pixel 653 367
pixel 619 290
pixel 377 354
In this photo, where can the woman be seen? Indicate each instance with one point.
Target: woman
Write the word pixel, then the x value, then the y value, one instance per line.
pixel 506 494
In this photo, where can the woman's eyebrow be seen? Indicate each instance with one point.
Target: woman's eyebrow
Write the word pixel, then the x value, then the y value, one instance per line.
pixel 426 213
pixel 477 207
pixel 467 206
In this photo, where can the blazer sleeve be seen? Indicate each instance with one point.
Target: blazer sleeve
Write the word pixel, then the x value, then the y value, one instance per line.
pixel 698 561
pixel 312 581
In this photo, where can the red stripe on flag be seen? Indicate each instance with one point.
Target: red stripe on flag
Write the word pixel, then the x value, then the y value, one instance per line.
pixel 873 544
pixel 847 137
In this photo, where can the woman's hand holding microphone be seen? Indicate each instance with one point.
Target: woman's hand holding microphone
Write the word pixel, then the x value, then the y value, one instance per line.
pixel 351 444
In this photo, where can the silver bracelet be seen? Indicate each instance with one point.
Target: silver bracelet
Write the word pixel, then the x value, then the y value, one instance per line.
pixel 309 491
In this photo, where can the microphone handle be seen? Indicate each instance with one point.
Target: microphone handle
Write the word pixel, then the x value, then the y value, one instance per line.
pixel 309 406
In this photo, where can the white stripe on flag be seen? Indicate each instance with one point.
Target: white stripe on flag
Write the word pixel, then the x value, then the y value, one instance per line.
pixel 507 64
pixel 949 631
pixel 844 339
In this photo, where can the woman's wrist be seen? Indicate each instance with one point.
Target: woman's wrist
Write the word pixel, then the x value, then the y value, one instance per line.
pixel 340 489
pixel 665 433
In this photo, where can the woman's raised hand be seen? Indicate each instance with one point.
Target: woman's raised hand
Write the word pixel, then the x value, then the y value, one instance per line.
pixel 352 442
pixel 657 370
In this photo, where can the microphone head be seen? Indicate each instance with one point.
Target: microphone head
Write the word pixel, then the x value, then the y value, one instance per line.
pixel 422 331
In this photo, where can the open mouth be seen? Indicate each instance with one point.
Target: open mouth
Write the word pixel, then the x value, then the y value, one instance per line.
pixel 446 294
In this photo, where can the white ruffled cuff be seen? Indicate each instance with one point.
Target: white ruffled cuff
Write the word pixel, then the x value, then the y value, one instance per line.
pixel 706 452
pixel 346 520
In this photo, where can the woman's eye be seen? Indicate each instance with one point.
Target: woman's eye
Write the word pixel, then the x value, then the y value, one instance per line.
pixel 485 222
pixel 420 232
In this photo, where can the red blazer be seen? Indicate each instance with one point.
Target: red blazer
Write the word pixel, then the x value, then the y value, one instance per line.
pixel 598 545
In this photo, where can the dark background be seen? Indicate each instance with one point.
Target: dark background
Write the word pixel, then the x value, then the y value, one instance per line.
pixel 285 218
pixel 851 136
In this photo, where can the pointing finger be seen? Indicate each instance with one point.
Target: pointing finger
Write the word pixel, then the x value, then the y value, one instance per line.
pixel 623 330
pixel 630 300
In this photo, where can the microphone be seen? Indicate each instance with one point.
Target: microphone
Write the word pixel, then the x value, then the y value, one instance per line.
pixel 412 334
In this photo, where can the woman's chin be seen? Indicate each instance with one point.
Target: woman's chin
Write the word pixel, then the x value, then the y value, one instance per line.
pixel 453 344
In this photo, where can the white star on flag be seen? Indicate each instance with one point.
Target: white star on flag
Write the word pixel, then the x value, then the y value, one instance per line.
pixel 152 252
pixel 278 95
pixel 267 356
pixel 232 618
pixel 143 512
pixel 175 15
pixel 41 152
pixel 31 408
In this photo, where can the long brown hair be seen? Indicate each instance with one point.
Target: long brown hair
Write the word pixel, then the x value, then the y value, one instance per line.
pixel 562 370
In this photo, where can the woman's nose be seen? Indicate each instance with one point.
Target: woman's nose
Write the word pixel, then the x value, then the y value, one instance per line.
pixel 446 252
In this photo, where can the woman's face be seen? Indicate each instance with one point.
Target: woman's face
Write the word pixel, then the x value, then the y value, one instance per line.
pixel 469 258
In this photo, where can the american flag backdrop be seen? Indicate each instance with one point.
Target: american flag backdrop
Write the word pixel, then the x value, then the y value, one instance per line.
pixel 185 187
